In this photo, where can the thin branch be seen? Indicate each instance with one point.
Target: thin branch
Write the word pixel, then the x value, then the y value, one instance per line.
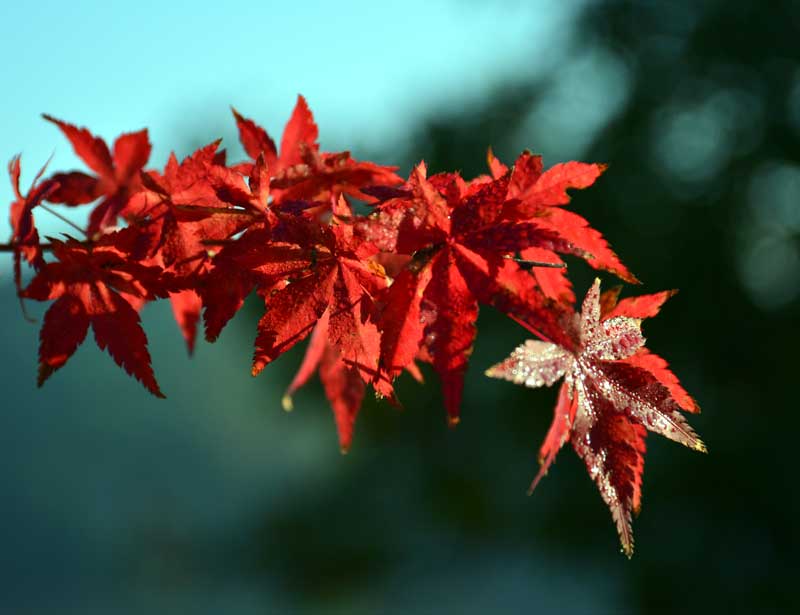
pixel 63 219
pixel 45 247
pixel 11 247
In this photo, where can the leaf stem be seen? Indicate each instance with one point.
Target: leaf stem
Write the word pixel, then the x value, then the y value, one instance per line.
pixel 522 261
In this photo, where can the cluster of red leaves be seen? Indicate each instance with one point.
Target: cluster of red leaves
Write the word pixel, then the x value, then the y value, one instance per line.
pixel 375 293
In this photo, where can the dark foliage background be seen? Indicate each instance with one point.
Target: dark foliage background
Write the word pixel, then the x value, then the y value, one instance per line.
pixel 218 502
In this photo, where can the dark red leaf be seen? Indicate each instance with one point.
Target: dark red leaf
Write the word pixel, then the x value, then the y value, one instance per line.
pixel 131 153
pixel 450 339
pixel 92 150
pixel 87 281
pixel 75 188
pixel 118 330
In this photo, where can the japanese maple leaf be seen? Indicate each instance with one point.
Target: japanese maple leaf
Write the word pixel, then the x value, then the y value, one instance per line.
pixel 613 392
pixel 182 213
pixel 272 249
pixel 301 171
pixel 253 260
pixel 338 280
pixel 323 176
pixel 188 205
pixel 538 195
pixel 343 384
pixel 88 284
pixel 313 277
pixel 302 268
pixel 25 237
pixel 117 173
pixel 300 132
pixel 461 236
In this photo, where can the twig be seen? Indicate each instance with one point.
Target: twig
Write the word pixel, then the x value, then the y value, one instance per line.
pixel 63 219
pixel 10 247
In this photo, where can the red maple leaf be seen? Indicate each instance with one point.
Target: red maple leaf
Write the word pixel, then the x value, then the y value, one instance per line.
pixel 313 276
pixel 301 171
pixel 613 392
pixel 184 211
pixel 24 236
pixel 271 248
pixel 117 173
pixel 89 284
pixel 538 195
pixel 343 384
pixel 253 260
pixel 337 279
pixel 310 274
pixel 461 236
pixel 300 132
pixel 337 302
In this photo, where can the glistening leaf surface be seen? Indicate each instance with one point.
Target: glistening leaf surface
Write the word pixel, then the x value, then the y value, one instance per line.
pixel 607 402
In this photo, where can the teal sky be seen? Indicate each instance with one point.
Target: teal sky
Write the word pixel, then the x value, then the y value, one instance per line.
pixel 369 69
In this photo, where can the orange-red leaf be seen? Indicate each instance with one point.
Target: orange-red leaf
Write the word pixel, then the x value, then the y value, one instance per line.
pixel 186 306
pixel 344 389
pixel 316 347
pixel 576 230
pixel 301 131
pixel 550 188
pixel 351 328
pixel 118 176
pixel 553 281
pixel 643 306
pixel 659 369
pixel 92 150
pixel 255 139
pixel 291 314
pixel 401 320
pixel 559 432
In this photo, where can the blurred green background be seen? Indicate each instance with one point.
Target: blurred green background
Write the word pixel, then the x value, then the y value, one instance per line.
pixel 217 501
